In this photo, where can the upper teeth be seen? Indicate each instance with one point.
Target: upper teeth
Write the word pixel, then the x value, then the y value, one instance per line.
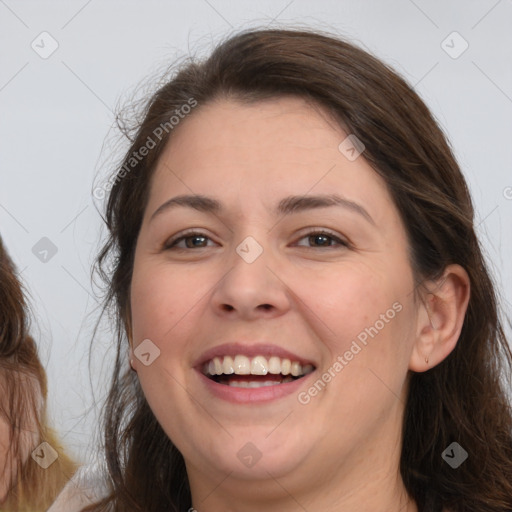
pixel 259 365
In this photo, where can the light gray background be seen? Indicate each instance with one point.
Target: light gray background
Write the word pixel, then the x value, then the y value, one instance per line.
pixel 56 113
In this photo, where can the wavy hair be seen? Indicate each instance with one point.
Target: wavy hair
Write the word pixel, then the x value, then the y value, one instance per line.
pixel 23 387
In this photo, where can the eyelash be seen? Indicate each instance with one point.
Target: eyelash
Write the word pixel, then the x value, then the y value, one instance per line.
pixel 171 244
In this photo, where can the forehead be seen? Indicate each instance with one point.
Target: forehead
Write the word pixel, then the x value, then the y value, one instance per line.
pixel 279 124
pixel 268 149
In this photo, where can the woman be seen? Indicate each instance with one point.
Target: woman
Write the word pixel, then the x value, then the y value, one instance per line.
pixel 309 319
pixel 33 466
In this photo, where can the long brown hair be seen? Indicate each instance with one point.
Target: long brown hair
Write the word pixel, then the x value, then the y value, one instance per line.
pixel 463 399
pixel 23 388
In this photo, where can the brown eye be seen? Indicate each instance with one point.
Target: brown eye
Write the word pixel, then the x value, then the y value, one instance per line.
pixel 188 241
pixel 323 239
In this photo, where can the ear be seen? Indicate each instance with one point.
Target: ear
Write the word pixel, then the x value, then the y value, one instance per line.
pixel 440 318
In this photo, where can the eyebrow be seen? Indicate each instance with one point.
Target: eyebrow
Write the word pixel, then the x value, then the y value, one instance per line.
pixel 287 206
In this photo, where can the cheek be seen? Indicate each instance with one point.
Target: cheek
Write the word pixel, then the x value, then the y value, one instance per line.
pixel 166 303
pixel 369 317
pixel 366 317
pixel 350 300
pixel 160 297
pixel 158 301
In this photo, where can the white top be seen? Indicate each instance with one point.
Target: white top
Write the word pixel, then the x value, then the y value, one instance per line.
pixel 85 487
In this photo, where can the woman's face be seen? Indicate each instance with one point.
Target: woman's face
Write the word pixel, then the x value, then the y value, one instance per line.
pixel 277 278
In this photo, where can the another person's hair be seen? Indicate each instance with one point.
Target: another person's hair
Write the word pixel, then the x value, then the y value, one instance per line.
pixel 462 399
pixel 23 390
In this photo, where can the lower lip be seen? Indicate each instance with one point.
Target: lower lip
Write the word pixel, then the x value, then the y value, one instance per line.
pixel 252 395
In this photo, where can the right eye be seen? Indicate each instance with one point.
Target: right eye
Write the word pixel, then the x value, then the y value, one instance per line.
pixel 195 238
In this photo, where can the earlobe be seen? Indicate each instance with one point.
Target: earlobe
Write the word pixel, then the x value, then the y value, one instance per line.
pixel 440 318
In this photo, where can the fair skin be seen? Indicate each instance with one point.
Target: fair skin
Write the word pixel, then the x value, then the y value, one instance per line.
pixel 309 295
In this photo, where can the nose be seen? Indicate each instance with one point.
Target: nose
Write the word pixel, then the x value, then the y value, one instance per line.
pixel 251 288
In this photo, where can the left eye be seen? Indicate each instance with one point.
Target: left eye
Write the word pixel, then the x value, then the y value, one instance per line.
pixel 322 238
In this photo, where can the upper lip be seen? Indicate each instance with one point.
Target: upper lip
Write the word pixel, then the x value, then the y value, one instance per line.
pixel 250 350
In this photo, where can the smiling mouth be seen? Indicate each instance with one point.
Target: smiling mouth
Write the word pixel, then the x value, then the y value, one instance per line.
pixel 245 372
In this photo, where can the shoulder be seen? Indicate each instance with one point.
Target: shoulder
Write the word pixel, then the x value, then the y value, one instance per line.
pixel 86 486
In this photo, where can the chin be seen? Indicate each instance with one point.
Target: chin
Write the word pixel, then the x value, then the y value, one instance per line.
pixel 250 456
